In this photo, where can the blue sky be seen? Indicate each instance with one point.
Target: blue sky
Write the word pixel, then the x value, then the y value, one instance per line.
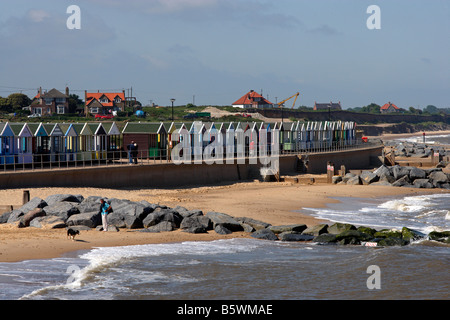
pixel 217 50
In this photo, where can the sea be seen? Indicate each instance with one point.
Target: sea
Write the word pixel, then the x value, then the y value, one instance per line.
pixel 252 269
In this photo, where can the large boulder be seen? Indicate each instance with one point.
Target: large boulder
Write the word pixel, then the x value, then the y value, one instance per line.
pixel 417 173
pixel 195 224
pixel 316 230
pixel 411 235
pixel 225 220
pixel 368 177
pixel 337 228
pixel 159 215
pixel 356 180
pixel 294 236
pixel 62 209
pixel 437 178
pixel 48 222
pixel 34 203
pixel 29 216
pixel 400 172
pixel 89 219
pixel 288 228
pixel 404 181
pixel 422 183
pixel 264 234
pixel 54 198
pixel 352 236
pixel 255 224
pixel 325 238
pixel 162 226
pixel 15 216
pixel 90 204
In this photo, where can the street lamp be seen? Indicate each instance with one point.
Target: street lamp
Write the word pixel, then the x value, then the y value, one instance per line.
pixel 172 100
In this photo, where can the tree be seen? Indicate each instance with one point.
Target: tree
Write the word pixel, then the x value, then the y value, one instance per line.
pixel 431 109
pixel 18 100
pixel 5 106
pixel 74 103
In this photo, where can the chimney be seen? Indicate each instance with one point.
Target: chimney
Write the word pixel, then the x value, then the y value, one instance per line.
pixel 67 91
pixel 40 91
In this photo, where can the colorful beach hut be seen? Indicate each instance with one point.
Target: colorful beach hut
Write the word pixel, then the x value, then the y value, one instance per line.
pixel 40 143
pixel 7 144
pixel 24 142
pixel 151 138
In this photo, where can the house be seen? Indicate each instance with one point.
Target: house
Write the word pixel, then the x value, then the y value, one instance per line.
pixel 252 99
pixel 104 103
pixel 50 103
pixel 328 106
pixel 389 108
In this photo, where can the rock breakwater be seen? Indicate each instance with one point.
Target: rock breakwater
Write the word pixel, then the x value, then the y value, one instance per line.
pixel 77 212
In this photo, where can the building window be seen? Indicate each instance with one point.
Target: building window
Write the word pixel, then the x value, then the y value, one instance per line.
pixel 104 100
pixel 60 109
pixel 38 110
pixel 117 100
pixel 48 101
pixel 94 110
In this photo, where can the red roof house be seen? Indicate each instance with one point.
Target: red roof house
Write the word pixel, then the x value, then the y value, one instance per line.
pixel 252 99
pixel 389 107
pixel 104 103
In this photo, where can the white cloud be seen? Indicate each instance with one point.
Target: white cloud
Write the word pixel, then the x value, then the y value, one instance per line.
pixel 37 15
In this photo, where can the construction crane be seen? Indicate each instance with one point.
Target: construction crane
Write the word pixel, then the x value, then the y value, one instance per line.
pixel 282 102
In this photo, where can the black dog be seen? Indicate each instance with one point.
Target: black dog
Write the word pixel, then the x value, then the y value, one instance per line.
pixel 72 233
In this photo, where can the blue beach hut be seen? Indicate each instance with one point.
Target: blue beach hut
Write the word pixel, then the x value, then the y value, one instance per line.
pixel 7 145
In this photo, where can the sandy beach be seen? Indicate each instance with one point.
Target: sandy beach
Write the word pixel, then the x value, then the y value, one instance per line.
pixel 275 203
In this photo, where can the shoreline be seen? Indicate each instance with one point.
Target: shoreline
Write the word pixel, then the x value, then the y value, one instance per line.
pixel 394 136
pixel 274 203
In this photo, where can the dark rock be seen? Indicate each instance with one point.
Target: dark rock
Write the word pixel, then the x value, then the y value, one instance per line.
pixel 368 177
pixel 48 222
pixel 352 236
pixel 388 233
pixel 383 171
pixel 54 198
pixel 439 236
pixel 422 183
pixel 197 229
pixel 356 180
pixel 132 222
pixel 225 220
pixel 316 230
pixel 62 209
pixel 336 179
pixel 15 216
pixel 411 235
pixel 4 217
pixel 90 204
pixel 264 234
pixel 26 219
pixel 160 215
pixel 417 173
pixel 288 228
pixel 367 230
pixel 399 172
pixel 389 242
pixel 402 182
pixel 221 229
pixel 325 238
pixel 337 228
pixel 294 236
pixel 256 224
pixel 88 219
pixel 348 176
pixel 191 222
pixel 163 226
pixel 438 177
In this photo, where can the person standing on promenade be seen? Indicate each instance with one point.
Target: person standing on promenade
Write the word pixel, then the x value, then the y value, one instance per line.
pixel 105 209
pixel 135 152
pixel 130 149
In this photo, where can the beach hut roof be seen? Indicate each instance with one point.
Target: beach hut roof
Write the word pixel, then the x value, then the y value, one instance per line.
pixel 21 130
pixel 111 128
pixel 5 130
pixel 144 128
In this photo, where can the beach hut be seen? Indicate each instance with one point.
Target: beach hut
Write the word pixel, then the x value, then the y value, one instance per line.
pixel 24 142
pixel 71 141
pixel 7 144
pixel 86 149
pixel 100 141
pixel 40 143
pixel 113 140
pixel 151 138
pixel 301 136
pixel 56 142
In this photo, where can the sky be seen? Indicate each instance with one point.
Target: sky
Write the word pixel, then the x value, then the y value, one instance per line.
pixel 212 52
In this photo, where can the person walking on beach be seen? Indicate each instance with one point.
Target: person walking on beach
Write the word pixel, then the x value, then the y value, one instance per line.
pixel 105 208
